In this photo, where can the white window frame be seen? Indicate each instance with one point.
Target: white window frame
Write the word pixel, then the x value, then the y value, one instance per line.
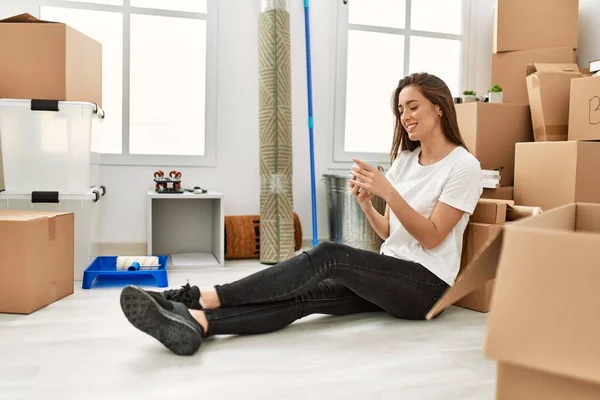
pixel 341 159
pixel 125 158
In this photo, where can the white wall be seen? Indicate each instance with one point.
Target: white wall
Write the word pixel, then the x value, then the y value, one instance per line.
pixel 237 171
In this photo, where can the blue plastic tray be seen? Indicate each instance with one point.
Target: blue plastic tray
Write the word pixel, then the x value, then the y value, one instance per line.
pixel 102 272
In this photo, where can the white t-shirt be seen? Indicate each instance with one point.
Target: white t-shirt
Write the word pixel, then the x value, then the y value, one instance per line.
pixel 454 180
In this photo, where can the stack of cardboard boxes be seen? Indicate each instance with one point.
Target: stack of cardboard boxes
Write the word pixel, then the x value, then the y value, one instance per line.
pixel 47 61
pixel 537 275
pixel 564 170
pixel 527 32
pixel 534 61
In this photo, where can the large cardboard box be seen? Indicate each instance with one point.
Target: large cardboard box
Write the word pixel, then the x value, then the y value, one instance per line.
pixel 491 131
pixel 544 326
pixel 551 174
pixel 549 88
pixel 36 259
pixel 509 69
pixel 584 109
pixel 476 237
pixel 535 24
pixel 49 61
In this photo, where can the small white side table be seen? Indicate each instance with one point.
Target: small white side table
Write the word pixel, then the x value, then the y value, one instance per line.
pixel 188 227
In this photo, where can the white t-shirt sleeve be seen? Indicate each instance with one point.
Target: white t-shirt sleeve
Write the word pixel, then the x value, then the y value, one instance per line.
pixel 464 187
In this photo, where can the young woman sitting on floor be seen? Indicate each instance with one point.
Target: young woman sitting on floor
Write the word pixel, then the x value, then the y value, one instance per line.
pixel 431 189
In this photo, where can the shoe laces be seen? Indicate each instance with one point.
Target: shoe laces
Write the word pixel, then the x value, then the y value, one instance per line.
pixel 185 293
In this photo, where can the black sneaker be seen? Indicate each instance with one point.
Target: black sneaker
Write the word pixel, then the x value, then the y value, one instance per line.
pixel 188 295
pixel 169 322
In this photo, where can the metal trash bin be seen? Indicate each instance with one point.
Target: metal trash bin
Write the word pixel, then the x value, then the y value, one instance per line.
pixel 348 224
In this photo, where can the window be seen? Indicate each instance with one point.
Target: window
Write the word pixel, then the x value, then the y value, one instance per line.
pixel 379 42
pixel 159 75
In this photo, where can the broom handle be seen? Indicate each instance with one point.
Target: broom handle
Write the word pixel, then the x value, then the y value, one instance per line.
pixel 310 124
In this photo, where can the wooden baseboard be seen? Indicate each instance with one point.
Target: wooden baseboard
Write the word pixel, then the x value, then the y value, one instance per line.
pixel 140 248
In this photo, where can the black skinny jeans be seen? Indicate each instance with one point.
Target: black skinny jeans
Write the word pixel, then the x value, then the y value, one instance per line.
pixel 330 279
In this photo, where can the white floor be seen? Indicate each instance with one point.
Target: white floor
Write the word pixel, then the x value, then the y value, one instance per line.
pixel 82 347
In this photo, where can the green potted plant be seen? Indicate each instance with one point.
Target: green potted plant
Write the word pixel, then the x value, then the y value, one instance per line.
pixel 495 94
pixel 469 96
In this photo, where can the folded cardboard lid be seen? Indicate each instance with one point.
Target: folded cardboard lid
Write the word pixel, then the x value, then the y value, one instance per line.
pixel 24 18
pixel 509 203
pixel 546 67
pixel 545 304
pixel 27 215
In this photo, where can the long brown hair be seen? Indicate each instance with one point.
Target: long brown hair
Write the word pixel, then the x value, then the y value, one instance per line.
pixel 436 91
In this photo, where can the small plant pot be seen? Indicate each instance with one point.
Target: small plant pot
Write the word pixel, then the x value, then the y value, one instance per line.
pixel 495 97
pixel 469 99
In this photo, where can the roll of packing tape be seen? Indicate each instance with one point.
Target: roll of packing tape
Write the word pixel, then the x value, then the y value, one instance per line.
pixel 143 262
pixel 519 212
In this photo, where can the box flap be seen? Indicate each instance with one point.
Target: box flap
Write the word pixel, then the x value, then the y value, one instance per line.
pixel 547 67
pixel 20 217
pixel 24 18
pixel 545 303
pixel 476 273
pixel 28 215
pixel 588 217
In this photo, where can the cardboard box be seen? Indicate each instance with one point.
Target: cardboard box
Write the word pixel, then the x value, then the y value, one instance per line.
pixel 584 109
pixel 549 88
pixel 551 174
pixel 543 327
pixel 36 259
pixel 509 69
pixel 494 213
pixel 48 60
pixel 491 131
pixel 491 211
pixel 535 24
pixel 476 237
pixel 501 193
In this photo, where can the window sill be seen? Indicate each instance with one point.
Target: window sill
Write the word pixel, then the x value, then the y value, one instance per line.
pixel 154 160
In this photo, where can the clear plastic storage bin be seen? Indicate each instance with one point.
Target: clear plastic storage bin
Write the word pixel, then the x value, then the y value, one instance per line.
pixel 85 208
pixel 46 145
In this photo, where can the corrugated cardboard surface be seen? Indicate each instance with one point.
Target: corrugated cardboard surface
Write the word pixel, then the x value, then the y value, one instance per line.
pixel 535 24
pixel 515 382
pixel 545 174
pixel 50 61
pixel 544 320
pixel 545 303
pixel 501 193
pixel 84 67
pixel 490 132
pixel 36 259
pixel 551 174
pixel 491 211
pixel 476 237
pixel 549 87
pixel 584 112
pixel 509 69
